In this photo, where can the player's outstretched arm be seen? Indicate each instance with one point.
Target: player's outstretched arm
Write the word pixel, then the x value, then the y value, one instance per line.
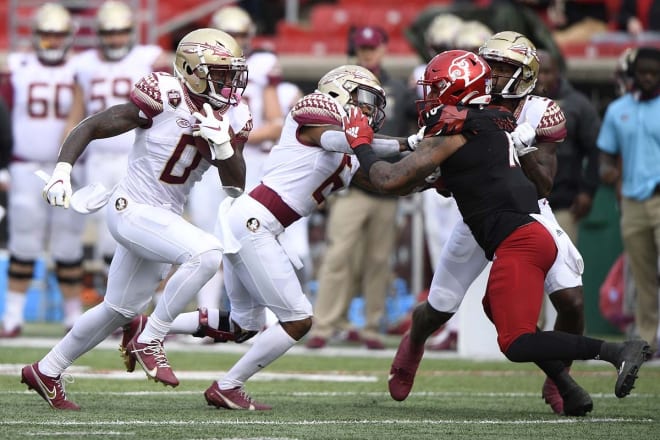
pixel 108 123
pixel 405 174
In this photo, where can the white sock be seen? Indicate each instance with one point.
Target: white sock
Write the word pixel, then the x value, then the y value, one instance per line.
pixel 185 323
pixel 14 310
pixel 268 346
pixel 155 329
pixel 92 328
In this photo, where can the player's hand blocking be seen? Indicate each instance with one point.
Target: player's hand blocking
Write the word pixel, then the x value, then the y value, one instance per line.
pixel 524 137
pixel 58 190
pixel 357 129
pixel 215 130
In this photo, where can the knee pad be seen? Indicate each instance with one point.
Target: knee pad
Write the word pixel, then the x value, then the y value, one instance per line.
pixel 69 272
pixel 21 269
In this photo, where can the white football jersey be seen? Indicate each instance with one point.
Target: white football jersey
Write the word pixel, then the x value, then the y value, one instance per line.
pixel 164 163
pixel 107 83
pixel 42 98
pixel 304 175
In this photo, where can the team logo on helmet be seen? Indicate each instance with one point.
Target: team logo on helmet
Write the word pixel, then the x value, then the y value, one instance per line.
pixel 460 69
pixel 174 98
pixel 217 49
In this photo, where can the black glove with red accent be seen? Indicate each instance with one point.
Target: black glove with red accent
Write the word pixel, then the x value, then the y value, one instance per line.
pixel 357 129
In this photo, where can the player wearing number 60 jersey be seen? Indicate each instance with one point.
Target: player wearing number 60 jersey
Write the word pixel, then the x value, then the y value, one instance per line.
pixel 182 123
pixel 38 87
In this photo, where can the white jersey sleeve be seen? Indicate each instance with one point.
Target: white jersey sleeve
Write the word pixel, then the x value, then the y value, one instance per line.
pixel 545 116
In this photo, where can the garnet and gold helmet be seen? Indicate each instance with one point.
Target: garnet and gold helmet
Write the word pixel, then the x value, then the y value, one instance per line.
pixel 211 65
pixel 115 27
pixel 52 33
pixel 352 85
pixel 516 49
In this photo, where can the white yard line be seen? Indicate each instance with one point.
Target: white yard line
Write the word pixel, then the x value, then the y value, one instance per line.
pixel 235 422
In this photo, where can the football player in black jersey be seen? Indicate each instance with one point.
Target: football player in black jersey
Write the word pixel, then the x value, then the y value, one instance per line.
pixel 479 165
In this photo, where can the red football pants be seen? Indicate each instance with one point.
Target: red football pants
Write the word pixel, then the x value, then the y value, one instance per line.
pixel 514 293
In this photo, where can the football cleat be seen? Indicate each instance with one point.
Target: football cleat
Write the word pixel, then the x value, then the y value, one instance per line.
pixel 551 396
pixel 152 358
pixel 577 402
pixel 129 331
pixel 10 334
pixel 631 357
pixel 204 330
pixel 234 398
pixel 51 389
pixel 316 342
pixel 404 367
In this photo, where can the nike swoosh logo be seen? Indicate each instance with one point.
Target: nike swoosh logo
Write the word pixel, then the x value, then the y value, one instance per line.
pixel 51 394
pixel 232 405
pixel 623 364
pixel 152 372
pixel 390 377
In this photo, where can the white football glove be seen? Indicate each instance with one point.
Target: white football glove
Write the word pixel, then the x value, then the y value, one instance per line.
pixel 415 139
pixel 524 137
pixel 58 190
pixel 215 132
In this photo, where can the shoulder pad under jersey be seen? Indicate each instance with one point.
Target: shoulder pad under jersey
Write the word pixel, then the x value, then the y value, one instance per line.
pixel 552 127
pixel 147 95
pixel 317 109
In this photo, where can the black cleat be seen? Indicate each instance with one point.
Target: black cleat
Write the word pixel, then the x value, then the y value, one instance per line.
pixel 577 402
pixel 631 357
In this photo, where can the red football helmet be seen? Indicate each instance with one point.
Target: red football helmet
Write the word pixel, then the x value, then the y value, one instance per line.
pixel 455 77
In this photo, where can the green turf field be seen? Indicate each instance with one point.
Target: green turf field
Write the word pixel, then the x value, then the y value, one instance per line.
pixel 331 394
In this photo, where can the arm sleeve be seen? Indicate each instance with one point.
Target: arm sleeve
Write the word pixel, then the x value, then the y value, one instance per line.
pixel 334 140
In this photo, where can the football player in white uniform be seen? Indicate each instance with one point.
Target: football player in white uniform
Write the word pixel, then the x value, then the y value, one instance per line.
pixel 41 93
pixel 105 77
pixel 515 66
pixel 184 124
pixel 311 160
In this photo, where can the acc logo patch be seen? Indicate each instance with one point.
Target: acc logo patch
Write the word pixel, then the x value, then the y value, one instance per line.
pixel 174 98
pixel 121 204
pixel 252 224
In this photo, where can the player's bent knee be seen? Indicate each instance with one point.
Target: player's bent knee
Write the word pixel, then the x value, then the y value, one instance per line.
pixel 569 300
pixel 297 329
